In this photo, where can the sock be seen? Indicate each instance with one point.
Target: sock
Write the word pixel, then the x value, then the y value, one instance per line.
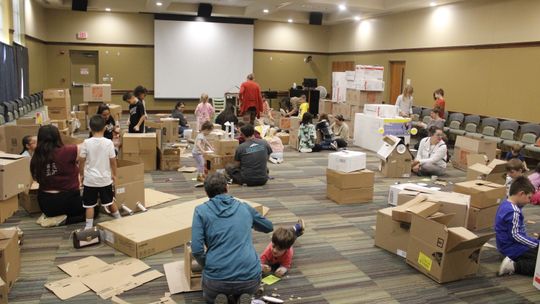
pixel 89 223
pixel 116 214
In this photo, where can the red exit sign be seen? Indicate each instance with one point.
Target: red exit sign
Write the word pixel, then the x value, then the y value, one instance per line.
pixel 82 35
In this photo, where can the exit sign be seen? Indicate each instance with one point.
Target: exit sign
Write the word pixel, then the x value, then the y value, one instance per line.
pixel 82 35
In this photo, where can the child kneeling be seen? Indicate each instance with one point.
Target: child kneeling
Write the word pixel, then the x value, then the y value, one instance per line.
pixel 277 257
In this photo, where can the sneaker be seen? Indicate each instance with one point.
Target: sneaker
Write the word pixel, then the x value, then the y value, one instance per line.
pixel 200 178
pixel 299 227
pixel 221 299
pixel 40 219
pixel 507 267
pixel 244 299
pixel 273 160
pixel 334 145
pixel 54 221
pixel 305 150
pixel 279 161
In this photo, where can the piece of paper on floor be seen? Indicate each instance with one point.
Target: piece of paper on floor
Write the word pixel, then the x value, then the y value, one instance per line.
pixel 187 169
pixel 154 197
pixel 176 277
pixel 271 279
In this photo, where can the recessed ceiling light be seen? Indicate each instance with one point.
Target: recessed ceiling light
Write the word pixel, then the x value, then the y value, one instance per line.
pixel 357 18
pixel 108 9
pixel 290 21
pixel 342 7
pixel 159 3
pixel 266 11
pixel 433 3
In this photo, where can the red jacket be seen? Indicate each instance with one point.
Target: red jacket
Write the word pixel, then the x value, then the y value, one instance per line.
pixel 441 104
pixel 267 258
pixel 250 96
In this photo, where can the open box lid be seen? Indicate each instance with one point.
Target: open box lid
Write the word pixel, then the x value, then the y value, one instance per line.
pixel 390 142
pixel 460 238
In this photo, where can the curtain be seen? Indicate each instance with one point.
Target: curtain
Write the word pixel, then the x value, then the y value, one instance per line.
pixel 21 66
pixel 14 79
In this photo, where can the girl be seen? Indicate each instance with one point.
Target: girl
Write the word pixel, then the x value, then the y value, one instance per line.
pixel 535 180
pixel 307 134
pixel 29 145
pixel 201 147
pixel 404 102
pixel 277 146
pixel 54 166
pixel 438 95
pixel 204 111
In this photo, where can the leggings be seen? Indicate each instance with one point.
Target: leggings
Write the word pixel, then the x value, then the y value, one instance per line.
pixel 66 202
pixel 199 161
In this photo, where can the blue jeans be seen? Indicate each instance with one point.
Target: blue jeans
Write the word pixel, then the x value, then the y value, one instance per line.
pixel 212 288
pixel 181 130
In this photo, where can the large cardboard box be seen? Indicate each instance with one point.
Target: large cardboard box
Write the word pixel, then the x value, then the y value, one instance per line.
pixel 391 235
pixel 444 254
pixel 14 175
pixel 57 98
pixel 28 199
pixel 396 159
pixel 419 205
pixel 225 146
pixel 347 161
pixel 289 123
pixel 169 130
pixel 325 106
pixel 357 179
pixel 293 140
pixel 284 138
pixel 129 188
pixel 349 196
pixel 360 98
pixel 11 137
pixel 368 72
pixel 10 257
pixel 97 92
pixel 154 231
pixel 381 110
pixel 341 108
pixel 493 172
pixel 83 107
pixel 483 193
pixel 8 207
pixel 140 147
pixel 81 116
pixel 214 162
pixel 61 124
pixel 93 107
pixel 466 145
pixel 169 157
pixel 58 113
pixel 482 218
pixel 116 111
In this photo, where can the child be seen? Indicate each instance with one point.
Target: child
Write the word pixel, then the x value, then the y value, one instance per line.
pixel 307 135
pixel 98 171
pixel 178 112
pixel 514 169
pixel 112 128
pixel 277 146
pixel 140 93
pixel 200 147
pixel 277 257
pixel 304 106
pixel 204 111
pixel 404 102
pixel 519 249
pixel 29 145
pixel 534 178
pixel 137 114
pixel 515 152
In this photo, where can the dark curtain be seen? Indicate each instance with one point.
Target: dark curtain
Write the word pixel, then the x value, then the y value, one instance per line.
pixel 21 64
pixel 14 80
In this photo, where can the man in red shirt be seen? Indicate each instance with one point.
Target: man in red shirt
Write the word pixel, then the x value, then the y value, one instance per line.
pixel 251 99
pixel 438 95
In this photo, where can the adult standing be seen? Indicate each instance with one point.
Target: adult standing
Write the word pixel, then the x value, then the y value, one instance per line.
pixel 438 95
pixel 54 167
pixel 432 154
pixel 251 99
pixel 404 102
pixel 231 266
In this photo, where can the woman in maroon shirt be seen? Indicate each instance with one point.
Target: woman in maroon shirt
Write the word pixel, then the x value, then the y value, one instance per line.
pixel 54 166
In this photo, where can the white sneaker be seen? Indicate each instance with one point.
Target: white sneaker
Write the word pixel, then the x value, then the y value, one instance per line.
pixel 273 160
pixel 334 145
pixel 40 219
pixel 306 150
pixel 54 221
pixel 507 267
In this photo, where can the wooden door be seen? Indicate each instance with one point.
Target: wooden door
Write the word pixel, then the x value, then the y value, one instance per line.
pixel 397 75
pixel 83 70
pixel 342 66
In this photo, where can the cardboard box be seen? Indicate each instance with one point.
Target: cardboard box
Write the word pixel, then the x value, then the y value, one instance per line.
pixel 225 146
pixel 61 124
pixel 419 205
pixel 289 123
pixel 344 109
pixel 381 110
pixel 325 106
pixel 57 98
pixel 28 199
pixel 81 116
pixel 444 254
pixel 494 172
pixel 482 218
pixel 83 107
pixel 293 140
pixel 171 227
pixel 396 159
pixel 97 92
pixel 357 179
pixel 139 142
pixel 58 113
pixel 349 196
pixel 355 97
pixel 391 235
pixel 93 107
pixel 10 257
pixel 25 121
pixel 536 277
pixel 483 193
pixel 14 175
pixel 466 145
pixel 116 111
pixel 70 140
pixel 148 159
pixel 368 72
pixel 169 130
pixel 11 137
pixel 369 85
pixel 284 138
pixel 8 207
pixel 347 161
pixel 169 157
pixel 214 162
pixel 129 188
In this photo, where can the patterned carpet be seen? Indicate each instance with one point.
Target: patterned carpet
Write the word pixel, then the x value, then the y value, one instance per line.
pixel 335 261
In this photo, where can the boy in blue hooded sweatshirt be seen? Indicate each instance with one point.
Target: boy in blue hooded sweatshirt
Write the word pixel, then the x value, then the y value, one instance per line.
pixel 520 249
pixel 231 266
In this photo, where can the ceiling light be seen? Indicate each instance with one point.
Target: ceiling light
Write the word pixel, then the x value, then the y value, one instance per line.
pixel 290 20
pixel 433 3
pixel 108 9
pixel 159 3
pixel 357 18
pixel 266 11
pixel 342 7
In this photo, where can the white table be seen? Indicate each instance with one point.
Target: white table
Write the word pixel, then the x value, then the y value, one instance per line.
pixel 369 130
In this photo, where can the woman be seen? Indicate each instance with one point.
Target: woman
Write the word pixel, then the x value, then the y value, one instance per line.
pixel 227 115
pixel 178 112
pixel 328 140
pixel 404 102
pixel 438 95
pixel 204 111
pixel 54 167
pixel 112 128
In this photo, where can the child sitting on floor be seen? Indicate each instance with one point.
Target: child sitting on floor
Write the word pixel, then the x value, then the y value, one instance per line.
pixel 515 153
pixel 277 146
pixel 514 169
pixel 277 257
pixel 534 178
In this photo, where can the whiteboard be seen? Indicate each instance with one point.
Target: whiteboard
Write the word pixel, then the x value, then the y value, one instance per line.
pixel 191 58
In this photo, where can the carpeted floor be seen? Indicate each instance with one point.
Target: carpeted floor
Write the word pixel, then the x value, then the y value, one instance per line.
pixel 335 261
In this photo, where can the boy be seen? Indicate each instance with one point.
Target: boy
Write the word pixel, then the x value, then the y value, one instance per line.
pixel 514 169
pixel 520 250
pixel 201 147
pixel 515 152
pixel 304 106
pixel 98 171
pixel 277 257
pixel 137 114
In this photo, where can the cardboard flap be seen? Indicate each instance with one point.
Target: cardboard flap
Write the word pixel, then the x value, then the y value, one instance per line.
pixel 390 142
pixel 10 156
pixel 130 266
pixel 83 267
pixel 468 240
pixel 442 218
pixel 154 197
pixel 498 166
pixel 176 277
pixel 424 209
pixel 473 159
pixel 480 168
pixel 67 288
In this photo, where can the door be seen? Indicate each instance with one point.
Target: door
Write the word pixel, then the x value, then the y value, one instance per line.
pixel 397 74
pixel 84 69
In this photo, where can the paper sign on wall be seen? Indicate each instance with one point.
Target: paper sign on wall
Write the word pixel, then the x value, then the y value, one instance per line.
pixel 85 71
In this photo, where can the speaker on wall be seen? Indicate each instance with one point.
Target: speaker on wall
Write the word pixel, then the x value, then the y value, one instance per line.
pixel 79 5
pixel 205 10
pixel 315 18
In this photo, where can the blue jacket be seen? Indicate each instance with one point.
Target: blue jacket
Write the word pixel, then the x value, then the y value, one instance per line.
pixel 223 225
pixel 512 240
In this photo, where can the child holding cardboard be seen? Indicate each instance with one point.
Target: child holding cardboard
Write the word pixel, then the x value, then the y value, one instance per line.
pixel 201 147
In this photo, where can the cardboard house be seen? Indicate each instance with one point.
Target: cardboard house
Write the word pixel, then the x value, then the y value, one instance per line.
pixel 396 159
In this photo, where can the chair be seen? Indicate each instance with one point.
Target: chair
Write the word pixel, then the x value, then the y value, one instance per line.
pixel 454 122
pixel 416 110
pixel 532 147
pixel 424 115
pixel 218 104
pixel 529 132
pixel 488 127
pixel 470 123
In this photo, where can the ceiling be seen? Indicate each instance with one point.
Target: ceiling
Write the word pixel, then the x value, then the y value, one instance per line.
pixel 278 10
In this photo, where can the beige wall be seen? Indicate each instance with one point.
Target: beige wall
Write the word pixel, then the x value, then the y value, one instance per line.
pixel 37 64
pixel 35 25
pixel 280 36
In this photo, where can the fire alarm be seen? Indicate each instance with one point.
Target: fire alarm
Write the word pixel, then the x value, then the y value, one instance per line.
pixel 82 35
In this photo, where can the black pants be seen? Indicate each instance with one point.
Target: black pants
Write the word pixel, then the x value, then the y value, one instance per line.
pixel 235 174
pixel 526 263
pixel 68 203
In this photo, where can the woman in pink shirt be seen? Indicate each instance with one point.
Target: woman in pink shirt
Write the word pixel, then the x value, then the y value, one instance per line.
pixel 204 111
pixel 277 146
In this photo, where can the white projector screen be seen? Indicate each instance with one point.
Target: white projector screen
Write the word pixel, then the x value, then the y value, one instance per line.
pixel 191 58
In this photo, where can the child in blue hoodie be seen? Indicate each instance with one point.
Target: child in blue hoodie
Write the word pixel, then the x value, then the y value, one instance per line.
pixel 231 266
pixel 520 249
